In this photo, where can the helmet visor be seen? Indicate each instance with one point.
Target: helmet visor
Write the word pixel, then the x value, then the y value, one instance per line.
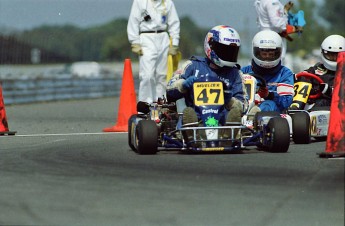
pixel 332 56
pixel 267 54
pixel 225 52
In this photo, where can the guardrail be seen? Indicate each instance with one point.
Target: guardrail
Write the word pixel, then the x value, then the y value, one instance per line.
pixel 29 90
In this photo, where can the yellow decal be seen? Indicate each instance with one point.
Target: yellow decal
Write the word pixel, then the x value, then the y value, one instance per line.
pixel 313 125
pixel 249 84
pixel 302 91
pixel 208 93
pixel 214 149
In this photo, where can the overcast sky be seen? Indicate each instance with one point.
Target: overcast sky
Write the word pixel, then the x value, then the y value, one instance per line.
pixel 26 14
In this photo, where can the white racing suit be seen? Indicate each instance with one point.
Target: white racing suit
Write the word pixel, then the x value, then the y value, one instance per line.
pixel 150 24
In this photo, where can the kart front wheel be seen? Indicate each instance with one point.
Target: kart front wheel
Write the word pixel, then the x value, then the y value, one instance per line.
pixel 278 133
pixel 131 127
pixel 261 114
pixel 147 137
pixel 301 128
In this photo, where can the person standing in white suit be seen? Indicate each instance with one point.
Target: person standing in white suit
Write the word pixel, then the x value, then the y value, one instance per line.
pixel 273 15
pixel 151 25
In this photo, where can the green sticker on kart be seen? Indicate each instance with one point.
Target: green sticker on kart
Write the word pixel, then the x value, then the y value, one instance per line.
pixel 211 121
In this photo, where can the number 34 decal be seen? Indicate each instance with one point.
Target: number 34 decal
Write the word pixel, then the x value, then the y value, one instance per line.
pixel 302 91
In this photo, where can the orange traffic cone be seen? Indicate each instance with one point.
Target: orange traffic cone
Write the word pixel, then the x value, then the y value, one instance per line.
pixel 3 119
pixel 335 146
pixel 127 105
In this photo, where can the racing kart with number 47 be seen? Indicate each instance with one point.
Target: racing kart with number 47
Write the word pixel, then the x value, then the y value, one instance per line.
pixel 158 126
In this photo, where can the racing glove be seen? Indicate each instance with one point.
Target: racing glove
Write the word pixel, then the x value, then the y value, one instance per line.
pixel 263 92
pixel 136 48
pixel 289 30
pixel 283 34
pixel 188 83
pixel 173 50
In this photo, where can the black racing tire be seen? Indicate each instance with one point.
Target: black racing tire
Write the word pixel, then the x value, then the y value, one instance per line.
pixel 301 128
pixel 131 127
pixel 279 135
pixel 147 137
pixel 262 114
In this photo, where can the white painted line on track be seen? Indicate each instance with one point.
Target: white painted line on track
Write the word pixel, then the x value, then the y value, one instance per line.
pixel 66 134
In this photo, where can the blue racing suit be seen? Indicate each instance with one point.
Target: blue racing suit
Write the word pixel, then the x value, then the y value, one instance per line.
pixel 198 67
pixel 280 82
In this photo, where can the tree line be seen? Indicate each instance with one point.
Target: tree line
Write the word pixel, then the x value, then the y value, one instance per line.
pixel 104 43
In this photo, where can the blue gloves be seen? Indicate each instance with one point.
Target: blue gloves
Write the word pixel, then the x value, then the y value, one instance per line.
pixel 297 20
pixel 188 83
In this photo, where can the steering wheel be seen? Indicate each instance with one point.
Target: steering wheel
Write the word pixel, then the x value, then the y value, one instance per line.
pixel 261 79
pixel 317 78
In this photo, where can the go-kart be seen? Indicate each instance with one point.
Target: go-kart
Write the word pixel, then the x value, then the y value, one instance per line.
pixel 310 121
pixel 158 126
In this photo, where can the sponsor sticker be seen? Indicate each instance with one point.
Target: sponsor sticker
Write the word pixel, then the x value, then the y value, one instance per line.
pixel 322 119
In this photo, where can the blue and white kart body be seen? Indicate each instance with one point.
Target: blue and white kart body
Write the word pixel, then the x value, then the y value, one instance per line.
pixel 251 84
pixel 159 126
pixel 311 122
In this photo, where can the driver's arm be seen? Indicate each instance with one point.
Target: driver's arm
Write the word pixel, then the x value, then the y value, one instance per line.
pixel 175 87
pixel 283 96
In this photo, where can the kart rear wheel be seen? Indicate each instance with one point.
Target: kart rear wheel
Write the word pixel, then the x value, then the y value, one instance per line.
pixel 131 127
pixel 147 137
pixel 279 135
pixel 301 128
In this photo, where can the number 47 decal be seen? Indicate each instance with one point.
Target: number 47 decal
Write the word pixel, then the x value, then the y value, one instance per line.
pixel 208 93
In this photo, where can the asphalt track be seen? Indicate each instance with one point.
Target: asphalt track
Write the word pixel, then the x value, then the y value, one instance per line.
pixel 60 169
